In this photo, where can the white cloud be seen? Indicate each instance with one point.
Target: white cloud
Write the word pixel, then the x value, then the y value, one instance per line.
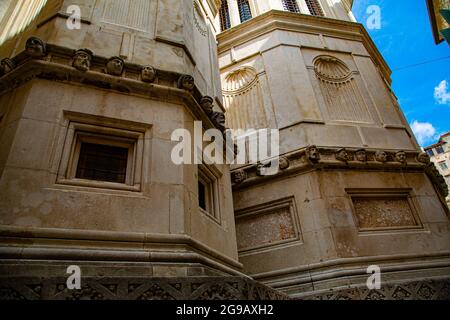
pixel 424 131
pixel 441 93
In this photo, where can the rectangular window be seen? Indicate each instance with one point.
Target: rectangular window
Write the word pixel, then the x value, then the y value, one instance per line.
pixel 102 163
pixel 314 7
pixel 208 200
pixel 439 150
pixel 224 16
pixel 430 152
pixel 291 5
pixel 202 195
pixel 443 165
pixel 244 10
pixel 103 153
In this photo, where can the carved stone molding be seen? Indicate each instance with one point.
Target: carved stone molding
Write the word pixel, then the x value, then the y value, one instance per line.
pixel 313 157
pixel 52 62
pixel 416 290
pixel 125 288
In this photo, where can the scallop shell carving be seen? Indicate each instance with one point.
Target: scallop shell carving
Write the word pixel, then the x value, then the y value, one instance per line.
pixel 239 79
pixel 331 69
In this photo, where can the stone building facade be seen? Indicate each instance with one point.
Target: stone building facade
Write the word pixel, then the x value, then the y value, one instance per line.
pixel 86 176
pixel 440 156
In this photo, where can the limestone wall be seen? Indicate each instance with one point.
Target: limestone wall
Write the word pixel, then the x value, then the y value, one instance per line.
pixel 328 87
pixel 169 34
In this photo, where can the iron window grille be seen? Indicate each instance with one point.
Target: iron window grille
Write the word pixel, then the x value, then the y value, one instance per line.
pixel 314 7
pixel 291 5
pixel 244 10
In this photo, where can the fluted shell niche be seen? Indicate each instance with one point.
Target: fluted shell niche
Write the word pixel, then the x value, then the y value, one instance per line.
pixel 343 99
pixel 243 99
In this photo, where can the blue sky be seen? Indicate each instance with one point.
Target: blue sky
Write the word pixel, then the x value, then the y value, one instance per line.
pixel 404 39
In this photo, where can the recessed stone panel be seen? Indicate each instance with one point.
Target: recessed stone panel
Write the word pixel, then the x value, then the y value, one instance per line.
pixel 384 210
pixel 267 225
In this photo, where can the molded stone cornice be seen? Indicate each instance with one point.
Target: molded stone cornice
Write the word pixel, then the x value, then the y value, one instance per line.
pixel 326 158
pixel 90 245
pixel 56 63
pixel 282 20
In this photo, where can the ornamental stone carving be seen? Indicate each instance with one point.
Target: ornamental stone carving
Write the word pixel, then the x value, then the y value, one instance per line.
pixel 342 155
pixel 260 169
pixel 35 48
pixel 6 66
pixel 340 89
pixel 381 156
pixel 207 104
pixel 148 74
pixel 218 118
pixel 239 176
pixel 82 59
pixel 401 157
pixel 437 179
pixel 361 155
pixel 115 66
pixel 283 163
pixel 423 157
pixel 313 154
pixel 186 82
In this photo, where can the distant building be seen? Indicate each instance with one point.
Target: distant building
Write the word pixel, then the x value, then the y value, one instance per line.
pixel 440 155
pixel 438 22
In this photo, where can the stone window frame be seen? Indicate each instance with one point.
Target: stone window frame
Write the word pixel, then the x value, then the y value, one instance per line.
pixel 209 175
pixel 106 131
pixel 385 193
pixel 268 208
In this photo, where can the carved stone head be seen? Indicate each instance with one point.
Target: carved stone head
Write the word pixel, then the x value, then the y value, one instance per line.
pixel 239 176
pixel 361 155
pixel 186 82
pixel 35 48
pixel 313 153
pixel 260 169
pixel 423 157
pixel 82 60
pixel 342 155
pixel 115 66
pixel 283 163
pixel 148 74
pixel 207 104
pixel 6 66
pixel 381 156
pixel 400 157
pixel 218 118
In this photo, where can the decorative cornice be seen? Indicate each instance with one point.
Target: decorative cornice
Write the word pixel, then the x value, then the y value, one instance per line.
pixel 282 20
pixel 325 158
pixel 57 63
